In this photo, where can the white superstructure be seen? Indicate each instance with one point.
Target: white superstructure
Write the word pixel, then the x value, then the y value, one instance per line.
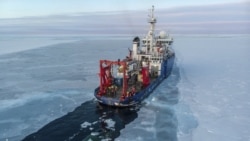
pixel 154 49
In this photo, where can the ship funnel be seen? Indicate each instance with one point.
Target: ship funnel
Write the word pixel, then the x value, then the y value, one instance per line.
pixel 136 44
pixel 137 40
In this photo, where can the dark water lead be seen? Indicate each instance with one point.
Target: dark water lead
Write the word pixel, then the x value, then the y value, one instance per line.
pixel 88 121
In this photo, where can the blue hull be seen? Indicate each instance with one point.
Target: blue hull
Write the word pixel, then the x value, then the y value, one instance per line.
pixel 141 95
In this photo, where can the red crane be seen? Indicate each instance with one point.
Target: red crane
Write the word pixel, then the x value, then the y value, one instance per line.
pixel 106 78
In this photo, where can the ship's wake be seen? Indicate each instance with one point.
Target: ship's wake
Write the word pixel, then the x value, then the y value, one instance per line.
pixel 88 121
pixel 96 122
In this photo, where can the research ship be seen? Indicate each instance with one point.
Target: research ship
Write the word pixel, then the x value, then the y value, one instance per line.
pixel 128 81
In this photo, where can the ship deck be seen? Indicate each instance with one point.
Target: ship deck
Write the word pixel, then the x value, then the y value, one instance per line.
pixel 115 91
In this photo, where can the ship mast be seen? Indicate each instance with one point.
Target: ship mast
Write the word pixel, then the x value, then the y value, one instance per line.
pixel 152 21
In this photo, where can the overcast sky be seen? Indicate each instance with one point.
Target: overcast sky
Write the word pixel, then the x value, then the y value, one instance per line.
pixel 23 8
pixel 93 17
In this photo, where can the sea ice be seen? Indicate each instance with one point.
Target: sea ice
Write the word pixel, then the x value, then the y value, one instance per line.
pixel 85 124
